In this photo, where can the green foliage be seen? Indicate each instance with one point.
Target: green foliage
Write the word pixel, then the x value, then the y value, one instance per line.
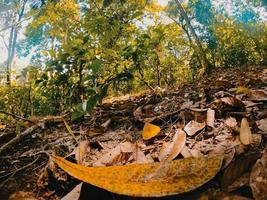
pixel 85 50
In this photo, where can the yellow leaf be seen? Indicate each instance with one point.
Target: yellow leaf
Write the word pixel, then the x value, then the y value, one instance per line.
pixel 2 126
pixel 245 132
pixel 150 131
pixel 181 176
pixel 70 130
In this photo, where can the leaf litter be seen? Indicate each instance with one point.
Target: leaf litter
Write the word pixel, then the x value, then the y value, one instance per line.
pixel 224 121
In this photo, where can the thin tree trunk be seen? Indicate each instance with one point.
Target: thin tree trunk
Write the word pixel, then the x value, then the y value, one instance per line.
pixel 12 42
pixel 207 64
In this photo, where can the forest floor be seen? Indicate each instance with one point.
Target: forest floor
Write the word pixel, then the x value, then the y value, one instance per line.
pixel 222 114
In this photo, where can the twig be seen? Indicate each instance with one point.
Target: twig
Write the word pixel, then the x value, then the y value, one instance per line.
pixel 16 116
pixel 19 137
pixel 18 170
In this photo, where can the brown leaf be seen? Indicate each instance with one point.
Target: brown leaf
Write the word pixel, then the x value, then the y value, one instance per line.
pixel 231 122
pixel 262 125
pixel 128 179
pixel 138 156
pixel 80 151
pixel 193 127
pixel 240 182
pixel 237 168
pixel 73 194
pixel 245 132
pixel 258 95
pixel 210 117
pixel 172 149
pixel 258 178
pixel 116 156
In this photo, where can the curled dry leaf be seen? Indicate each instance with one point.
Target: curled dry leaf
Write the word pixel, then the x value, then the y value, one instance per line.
pixel 193 127
pixel 172 149
pixel 245 132
pixel 116 156
pixel 73 194
pixel 231 122
pixel 138 156
pixel 80 151
pixel 258 178
pixel 128 179
pixel 258 95
pixel 262 125
pixel 237 168
pixel 150 131
pixel 210 117
pixel 243 180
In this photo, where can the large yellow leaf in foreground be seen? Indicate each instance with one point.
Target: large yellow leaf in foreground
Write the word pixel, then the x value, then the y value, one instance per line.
pixel 178 176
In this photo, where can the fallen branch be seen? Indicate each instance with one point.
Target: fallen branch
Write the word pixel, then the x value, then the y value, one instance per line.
pixel 19 137
pixel 16 116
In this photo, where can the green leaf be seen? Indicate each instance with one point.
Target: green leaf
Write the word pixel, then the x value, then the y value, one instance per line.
pixel 106 3
pixel 91 103
pixel 95 66
pixel 70 131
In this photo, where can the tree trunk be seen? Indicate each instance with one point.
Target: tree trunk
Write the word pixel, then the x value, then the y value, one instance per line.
pixel 207 64
pixel 12 42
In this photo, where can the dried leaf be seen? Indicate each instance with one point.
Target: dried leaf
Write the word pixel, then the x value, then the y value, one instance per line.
pixel 210 117
pixel 150 131
pixel 128 179
pixel 262 125
pixel 237 168
pixel 231 122
pixel 171 149
pixel 245 132
pixel 138 156
pixel 243 180
pixel 258 178
pixel 80 151
pixel 193 127
pixel 186 153
pixel 74 194
pixel 117 155
pixel 258 95
pixel 2 126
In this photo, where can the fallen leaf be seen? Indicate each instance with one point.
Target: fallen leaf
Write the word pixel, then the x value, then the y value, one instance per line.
pixel 231 122
pixel 245 132
pixel 150 131
pixel 258 178
pixel 258 95
pixel 193 127
pixel 2 127
pixel 262 125
pixel 21 195
pixel 256 139
pixel 210 117
pixel 228 104
pixel 243 90
pixel 127 179
pixel 171 149
pixel 138 156
pixel 73 194
pixel 118 155
pixel 106 124
pixel 240 182
pixel 80 151
pixel 186 152
pixel 237 168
